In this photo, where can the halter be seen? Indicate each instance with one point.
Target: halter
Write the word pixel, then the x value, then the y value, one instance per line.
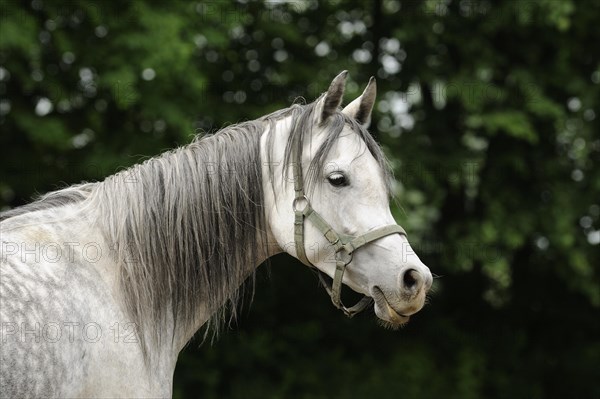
pixel 344 245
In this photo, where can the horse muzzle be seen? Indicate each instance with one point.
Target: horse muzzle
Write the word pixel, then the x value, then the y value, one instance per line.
pixel 395 307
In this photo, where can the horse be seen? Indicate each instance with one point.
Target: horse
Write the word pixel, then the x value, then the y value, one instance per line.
pixel 102 284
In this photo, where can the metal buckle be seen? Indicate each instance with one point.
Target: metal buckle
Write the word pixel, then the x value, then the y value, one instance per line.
pixel 295 203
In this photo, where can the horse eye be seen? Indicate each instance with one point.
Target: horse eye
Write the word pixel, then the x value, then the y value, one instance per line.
pixel 337 179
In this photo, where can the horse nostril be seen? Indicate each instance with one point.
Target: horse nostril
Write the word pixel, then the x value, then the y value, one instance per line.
pixel 411 278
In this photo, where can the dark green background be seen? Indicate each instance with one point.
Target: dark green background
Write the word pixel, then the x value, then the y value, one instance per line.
pixel 497 159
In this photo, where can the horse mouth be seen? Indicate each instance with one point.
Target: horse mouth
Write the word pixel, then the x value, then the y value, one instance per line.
pixel 395 318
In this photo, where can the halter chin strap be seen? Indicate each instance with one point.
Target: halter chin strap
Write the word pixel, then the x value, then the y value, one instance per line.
pixel 344 245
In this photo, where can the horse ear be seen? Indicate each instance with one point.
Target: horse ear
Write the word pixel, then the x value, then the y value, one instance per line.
pixel 331 100
pixel 360 109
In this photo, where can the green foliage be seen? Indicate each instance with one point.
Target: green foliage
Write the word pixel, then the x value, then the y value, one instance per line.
pixel 487 110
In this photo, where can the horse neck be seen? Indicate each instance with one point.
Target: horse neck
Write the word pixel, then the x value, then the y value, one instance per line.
pixel 192 231
pixel 267 243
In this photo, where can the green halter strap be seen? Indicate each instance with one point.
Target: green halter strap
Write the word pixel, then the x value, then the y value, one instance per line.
pixel 344 245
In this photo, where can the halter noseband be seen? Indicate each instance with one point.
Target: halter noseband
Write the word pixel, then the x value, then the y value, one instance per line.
pixel 344 245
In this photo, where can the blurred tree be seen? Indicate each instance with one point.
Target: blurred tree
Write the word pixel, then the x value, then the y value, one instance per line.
pixel 486 109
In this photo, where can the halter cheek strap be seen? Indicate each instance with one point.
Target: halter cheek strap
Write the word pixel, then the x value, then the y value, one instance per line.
pixel 344 245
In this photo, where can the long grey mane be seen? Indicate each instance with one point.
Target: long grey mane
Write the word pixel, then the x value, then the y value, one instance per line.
pixel 186 227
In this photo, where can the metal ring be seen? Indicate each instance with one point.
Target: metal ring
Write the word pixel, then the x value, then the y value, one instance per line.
pixel 295 202
pixel 343 255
